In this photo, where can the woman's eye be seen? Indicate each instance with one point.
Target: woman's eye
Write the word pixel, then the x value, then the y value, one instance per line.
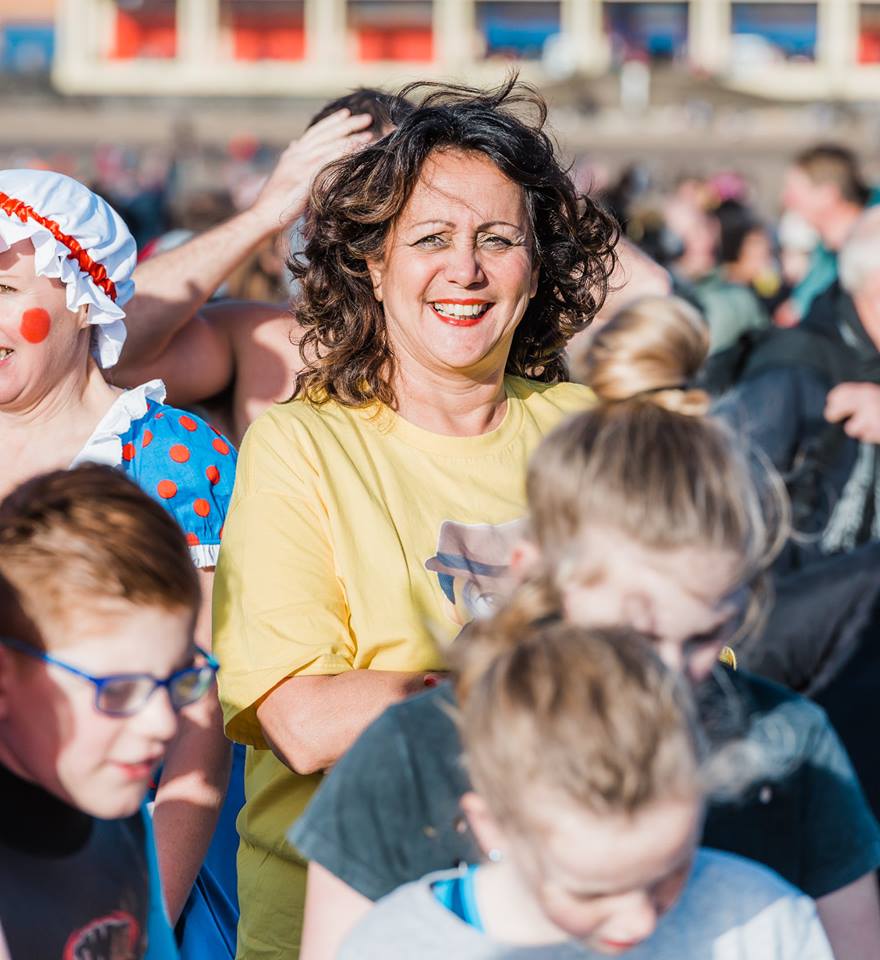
pixel 432 241
pixel 493 240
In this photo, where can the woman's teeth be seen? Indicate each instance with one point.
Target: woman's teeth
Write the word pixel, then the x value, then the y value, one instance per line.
pixel 461 309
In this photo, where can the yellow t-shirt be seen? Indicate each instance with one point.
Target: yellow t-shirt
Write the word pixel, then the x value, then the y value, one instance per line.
pixel 357 540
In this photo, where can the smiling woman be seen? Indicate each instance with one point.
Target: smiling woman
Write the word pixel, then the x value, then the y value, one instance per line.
pixel 445 267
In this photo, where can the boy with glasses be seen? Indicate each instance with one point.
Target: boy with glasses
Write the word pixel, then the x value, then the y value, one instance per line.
pixel 98 599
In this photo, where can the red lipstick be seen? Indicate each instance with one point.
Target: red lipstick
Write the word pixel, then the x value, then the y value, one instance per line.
pixel 461 321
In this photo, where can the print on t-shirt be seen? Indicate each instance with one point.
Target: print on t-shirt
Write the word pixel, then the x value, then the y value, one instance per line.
pixel 472 564
pixel 114 937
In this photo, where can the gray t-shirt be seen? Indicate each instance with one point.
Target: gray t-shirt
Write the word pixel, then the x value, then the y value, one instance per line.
pixel 731 909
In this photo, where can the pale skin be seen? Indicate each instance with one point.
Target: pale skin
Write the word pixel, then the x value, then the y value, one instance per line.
pixel 52 395
pixel 462 236
pixel 689 625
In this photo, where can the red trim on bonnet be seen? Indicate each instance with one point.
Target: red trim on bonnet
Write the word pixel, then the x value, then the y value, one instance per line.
pixel 97 271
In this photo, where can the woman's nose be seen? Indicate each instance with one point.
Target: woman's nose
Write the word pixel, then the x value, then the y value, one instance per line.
pixel 463 265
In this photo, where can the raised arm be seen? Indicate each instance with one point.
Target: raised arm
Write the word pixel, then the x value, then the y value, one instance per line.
pixel 171 287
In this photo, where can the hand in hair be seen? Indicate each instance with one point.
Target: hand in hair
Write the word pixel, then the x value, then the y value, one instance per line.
pixel 857 407
pixel 284 194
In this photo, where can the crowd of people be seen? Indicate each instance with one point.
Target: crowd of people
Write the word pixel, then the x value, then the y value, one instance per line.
pixel 431 559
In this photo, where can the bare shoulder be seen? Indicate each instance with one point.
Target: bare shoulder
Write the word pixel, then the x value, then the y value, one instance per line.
pixel 264 338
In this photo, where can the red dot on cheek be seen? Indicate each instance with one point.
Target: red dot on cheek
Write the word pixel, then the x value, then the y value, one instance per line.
pixel 35 325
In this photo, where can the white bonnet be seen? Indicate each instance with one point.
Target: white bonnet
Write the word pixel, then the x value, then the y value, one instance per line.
pixel 80 239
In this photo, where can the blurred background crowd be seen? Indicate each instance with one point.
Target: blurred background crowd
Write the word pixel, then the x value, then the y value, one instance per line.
pixel 683 115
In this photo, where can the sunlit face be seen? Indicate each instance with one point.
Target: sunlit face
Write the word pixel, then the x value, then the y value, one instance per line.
pixel 40 339
pixel 98 763
pixel 458 269
pixel 607 881
pixel 604 880
pixel 689 601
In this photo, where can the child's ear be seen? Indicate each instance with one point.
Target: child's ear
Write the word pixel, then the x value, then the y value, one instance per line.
pixel 82 316
pixel 524 557
pixel 483 825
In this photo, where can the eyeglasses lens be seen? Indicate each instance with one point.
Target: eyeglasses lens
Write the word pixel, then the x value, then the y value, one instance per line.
pixel 125 696
pixel 191 685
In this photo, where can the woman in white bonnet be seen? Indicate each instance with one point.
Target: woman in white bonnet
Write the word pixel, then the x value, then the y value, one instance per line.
pixel 66 259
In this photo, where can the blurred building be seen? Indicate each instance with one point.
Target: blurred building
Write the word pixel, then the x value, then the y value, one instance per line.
pixel 27 36
pixel 778 48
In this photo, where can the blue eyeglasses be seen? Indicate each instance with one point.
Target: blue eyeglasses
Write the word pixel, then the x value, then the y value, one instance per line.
pixel 124 694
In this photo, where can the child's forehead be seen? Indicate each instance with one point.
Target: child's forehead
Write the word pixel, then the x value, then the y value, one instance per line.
pixel 112 629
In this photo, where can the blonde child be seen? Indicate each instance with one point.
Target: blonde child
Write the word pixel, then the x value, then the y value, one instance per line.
pixel 587 801
pixel 647 513
pixel 98 602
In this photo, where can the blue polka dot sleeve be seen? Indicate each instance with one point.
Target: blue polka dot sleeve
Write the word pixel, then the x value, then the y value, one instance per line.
pixel 187 466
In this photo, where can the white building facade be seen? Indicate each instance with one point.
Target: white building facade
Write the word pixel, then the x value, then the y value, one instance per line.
pixel 789 49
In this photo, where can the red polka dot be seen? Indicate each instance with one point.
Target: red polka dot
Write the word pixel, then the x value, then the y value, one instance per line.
pixel 221 531
pixel 159 416
pixel 166 489
pixel 192 540
pixel 202 508
pixel 148 438
pixel 128 451
pixel 213 474
pixel 221 446
pixel 35 325
pixel 188 424
pixel 179 453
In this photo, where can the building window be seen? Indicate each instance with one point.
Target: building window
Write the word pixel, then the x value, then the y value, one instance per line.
pixel 651 32
pixel 401 30
pixel 765 33
pixel 512 30
pixel 145 30
pixel 869 33
pixel 263 29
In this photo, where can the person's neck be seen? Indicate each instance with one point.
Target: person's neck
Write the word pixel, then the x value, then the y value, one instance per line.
pixel 452 405
pixel 80 396
pixel 49 431
pixel 508 909
pixel 835 227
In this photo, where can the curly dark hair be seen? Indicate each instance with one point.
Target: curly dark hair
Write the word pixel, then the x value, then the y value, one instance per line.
pixel 356 200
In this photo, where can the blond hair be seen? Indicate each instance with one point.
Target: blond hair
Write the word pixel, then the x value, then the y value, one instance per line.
pixel 74 538
pixel 589 715
pixel 648 462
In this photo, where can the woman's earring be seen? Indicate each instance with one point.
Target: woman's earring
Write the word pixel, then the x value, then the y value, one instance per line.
pixel 495 855
pixel 727 656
